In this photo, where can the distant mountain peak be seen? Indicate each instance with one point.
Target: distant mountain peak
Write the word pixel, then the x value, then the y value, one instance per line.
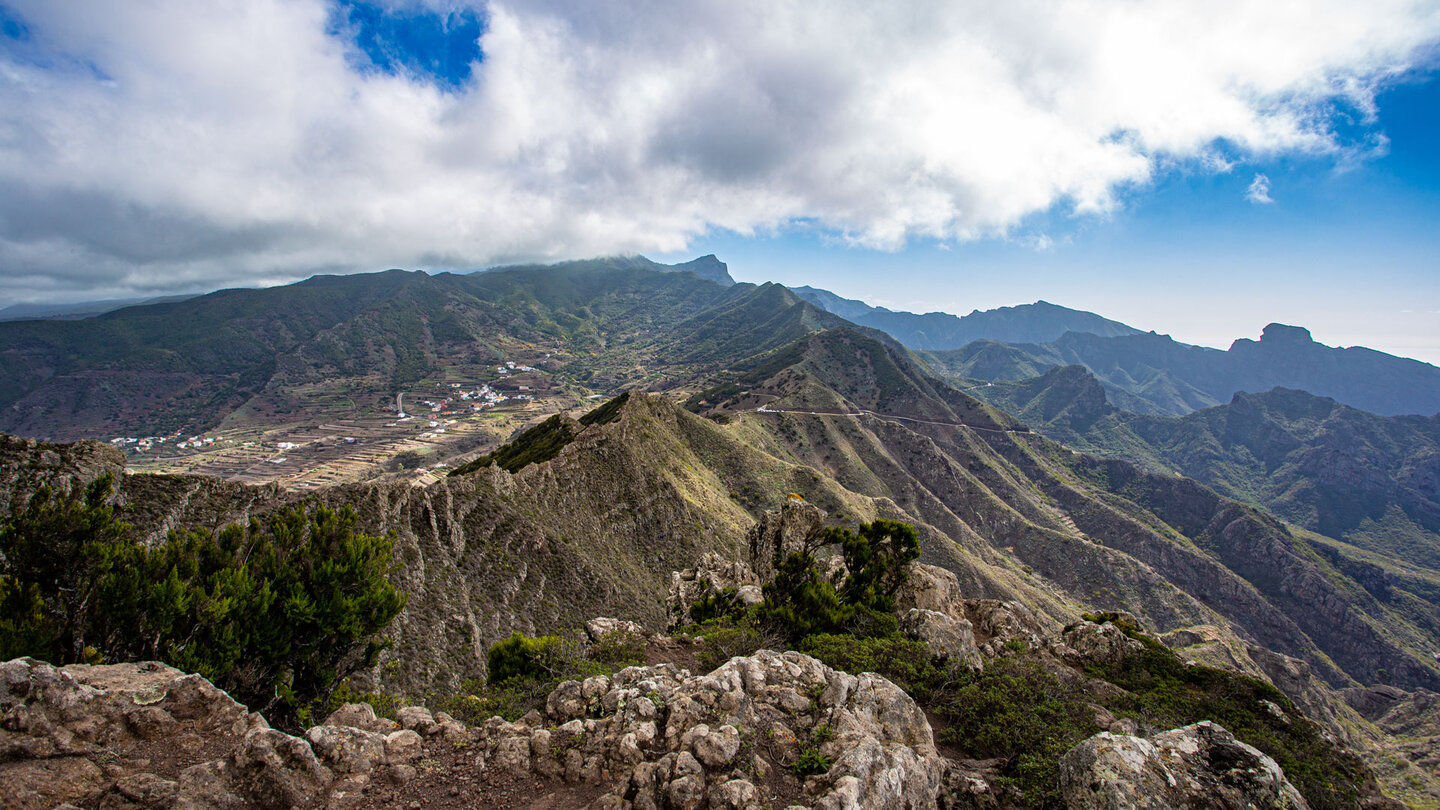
pixel 1280 334
pixel 707 267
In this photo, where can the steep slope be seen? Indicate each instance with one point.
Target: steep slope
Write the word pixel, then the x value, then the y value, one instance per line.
pixel 1151 373
pixel 1039 322
pixel 1369 480
pixel 1105 534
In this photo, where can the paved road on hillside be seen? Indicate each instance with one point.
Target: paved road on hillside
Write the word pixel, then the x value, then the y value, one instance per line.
pixel 891 416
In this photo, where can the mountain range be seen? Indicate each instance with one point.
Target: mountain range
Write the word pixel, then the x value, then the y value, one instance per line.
pixel 1369 480
pixel 1149 373
pixel 1040 322
pixel 1283 535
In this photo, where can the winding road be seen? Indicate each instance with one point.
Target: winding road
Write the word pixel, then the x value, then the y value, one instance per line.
pixel 890 416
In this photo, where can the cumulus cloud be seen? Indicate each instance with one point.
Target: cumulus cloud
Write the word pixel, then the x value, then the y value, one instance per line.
pixel 173 144
pixel 1259 190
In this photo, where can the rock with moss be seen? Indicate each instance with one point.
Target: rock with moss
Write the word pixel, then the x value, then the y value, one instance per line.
pixel 1200 765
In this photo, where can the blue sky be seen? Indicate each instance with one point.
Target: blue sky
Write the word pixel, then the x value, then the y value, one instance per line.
pixel 1349 248
pixel 1197 168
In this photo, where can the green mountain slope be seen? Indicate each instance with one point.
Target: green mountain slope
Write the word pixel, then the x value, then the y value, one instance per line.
pixel 189 364
pixel 585 517
pixel 1106 533
pixel 1149 373
pixel 1369 480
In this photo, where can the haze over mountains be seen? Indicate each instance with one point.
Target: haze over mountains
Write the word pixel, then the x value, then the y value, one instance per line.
pixel 1040 322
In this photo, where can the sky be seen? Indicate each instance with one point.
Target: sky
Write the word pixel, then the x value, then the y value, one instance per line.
pixel 1199 168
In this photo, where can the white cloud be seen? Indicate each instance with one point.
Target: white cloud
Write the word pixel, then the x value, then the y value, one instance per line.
pixel 180 144
pixel 1259 190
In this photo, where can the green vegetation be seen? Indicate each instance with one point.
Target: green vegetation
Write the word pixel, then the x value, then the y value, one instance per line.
pixel 277 612
pixel 544 441
pixel 523 671
pixel 1017 711
pixel 907 663
pixel 1165 692
pixel 538 444
pixel 1022 708
pixel 523 657
pixel 805 603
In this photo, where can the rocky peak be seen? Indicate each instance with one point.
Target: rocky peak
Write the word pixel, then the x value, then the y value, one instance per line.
pixel 1280 334
pixel 706 267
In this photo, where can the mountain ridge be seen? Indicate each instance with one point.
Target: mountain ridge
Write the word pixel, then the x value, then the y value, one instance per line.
pixel 1026 323
pixel 1158 375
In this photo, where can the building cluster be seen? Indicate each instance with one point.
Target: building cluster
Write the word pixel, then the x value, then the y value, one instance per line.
pixel 142 444
pixel 476 399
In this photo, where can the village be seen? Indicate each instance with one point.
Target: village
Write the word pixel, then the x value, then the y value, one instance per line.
pixel 417 436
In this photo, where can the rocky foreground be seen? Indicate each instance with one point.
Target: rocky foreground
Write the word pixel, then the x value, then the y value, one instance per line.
pixel 149 736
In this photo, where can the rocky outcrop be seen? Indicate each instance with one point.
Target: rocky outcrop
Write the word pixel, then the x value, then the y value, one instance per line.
pixel 147 735
pixel 1086 642
pixel 713 575
pixel 779 533
pixel 1201 765
pixel 948 639
pixel 672 739
pixel 1210 645
pixel 992 623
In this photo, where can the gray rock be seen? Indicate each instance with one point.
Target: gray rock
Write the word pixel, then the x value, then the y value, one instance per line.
pixel 601 627
pixel 403 746
pixel 947 638
pixel 1200 765
pixel 346 749
pixel 686 793
pixel 417 719
pixel 361 716
pixel 1090 643
pixel 735 794
pixel 274 770
pixel 718 747
pixel 712 575
pixel 566 702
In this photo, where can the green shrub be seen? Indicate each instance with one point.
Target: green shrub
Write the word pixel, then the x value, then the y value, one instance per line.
pixel 1018 712
pixel 619 650
pixel 804 603
pixel 478 702
pixel 810 761
pixel 721 604
pixel 523 671
pixel 276 612
pixel 721 642
pixel 385 704
pixel 520 657
pixel 906 663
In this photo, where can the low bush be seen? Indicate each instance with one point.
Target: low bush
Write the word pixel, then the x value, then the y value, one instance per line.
pixel 802 602
pixel 723 640
pixel 618 650
pixel 522 657
pixel 1017 711
pixel 905 662
pixel 524 670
